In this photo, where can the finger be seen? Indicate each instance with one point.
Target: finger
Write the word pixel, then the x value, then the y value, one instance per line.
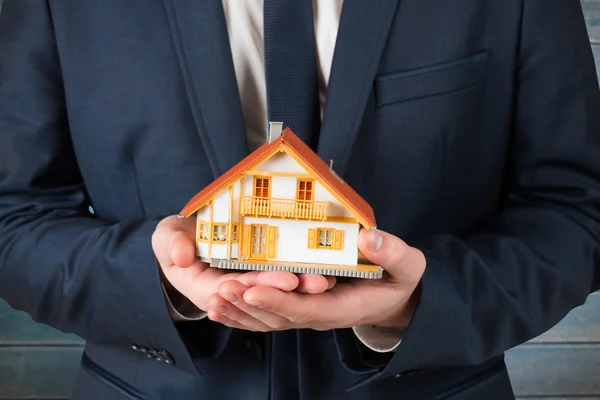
pixel 331 282
pixel 312 283
pixel 173 243
pixel 248 314
pixel 231 311
pixel 222 319
pixel 402 262
pixel 197 284
pixel 189 277
pixel 280 279
pixel 182 250
pixel 381 247
pixel 308 310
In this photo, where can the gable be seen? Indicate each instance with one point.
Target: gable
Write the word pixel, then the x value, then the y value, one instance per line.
pixel 281 162
pixel 268 156
pixel 332 182
pixel 284 172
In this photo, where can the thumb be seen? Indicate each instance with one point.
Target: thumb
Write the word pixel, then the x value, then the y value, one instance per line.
pixel 391 253
pixel 173 242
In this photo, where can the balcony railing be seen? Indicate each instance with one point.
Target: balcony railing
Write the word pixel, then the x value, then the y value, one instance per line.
pixel 284 208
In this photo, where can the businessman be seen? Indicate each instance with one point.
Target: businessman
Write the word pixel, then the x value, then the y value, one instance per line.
pixel 472 128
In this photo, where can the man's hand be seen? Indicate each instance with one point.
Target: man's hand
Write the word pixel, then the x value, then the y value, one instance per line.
pixel 389 302
pixel 173 245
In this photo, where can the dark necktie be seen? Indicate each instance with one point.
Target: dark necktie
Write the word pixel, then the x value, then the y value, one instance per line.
pixel 291 67
pixel 292 98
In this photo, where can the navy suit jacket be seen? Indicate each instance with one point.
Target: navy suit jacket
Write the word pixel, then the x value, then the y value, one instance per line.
pixel 471 126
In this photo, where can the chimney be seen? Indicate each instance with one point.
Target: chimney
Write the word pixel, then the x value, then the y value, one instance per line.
pixel 274 131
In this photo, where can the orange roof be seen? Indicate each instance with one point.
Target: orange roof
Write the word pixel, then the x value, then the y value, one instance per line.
pixel 296 148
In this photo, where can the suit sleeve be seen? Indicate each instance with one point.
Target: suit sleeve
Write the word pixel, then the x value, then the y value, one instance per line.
pixel 58 263
pixel 179 306
pixel 522 271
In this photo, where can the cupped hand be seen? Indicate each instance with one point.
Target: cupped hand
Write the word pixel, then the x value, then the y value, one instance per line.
pixel 388 302
pixel 174 248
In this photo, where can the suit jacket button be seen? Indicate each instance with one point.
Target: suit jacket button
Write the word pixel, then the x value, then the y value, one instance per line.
pixel 135 348
pixel 165 357
pixel 146 352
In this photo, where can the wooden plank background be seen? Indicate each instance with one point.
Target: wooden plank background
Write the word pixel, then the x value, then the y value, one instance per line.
pixel 37 362
pixel 564 362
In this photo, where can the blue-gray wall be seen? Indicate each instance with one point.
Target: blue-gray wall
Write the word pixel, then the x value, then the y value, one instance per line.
pixel 36 362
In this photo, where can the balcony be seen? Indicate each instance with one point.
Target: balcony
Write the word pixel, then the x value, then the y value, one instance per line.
pixel 284 208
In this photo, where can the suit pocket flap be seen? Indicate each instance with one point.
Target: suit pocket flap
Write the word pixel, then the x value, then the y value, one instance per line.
pixel 428 81
pixel 109 379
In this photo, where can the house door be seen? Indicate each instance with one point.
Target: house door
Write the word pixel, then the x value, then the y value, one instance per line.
pixel 258 242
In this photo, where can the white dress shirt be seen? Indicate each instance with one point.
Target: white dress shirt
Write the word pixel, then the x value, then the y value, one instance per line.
pixel 245 26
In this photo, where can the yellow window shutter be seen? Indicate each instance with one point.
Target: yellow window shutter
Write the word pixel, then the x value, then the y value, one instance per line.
pixel 312 238
pixel 338 239
pixel 245 245
pixel 272 243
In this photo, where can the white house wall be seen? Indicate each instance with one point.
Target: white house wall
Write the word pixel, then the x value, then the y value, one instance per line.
pixel 218 251
pixel 234 250
pixel 248 185
pixel 280 162
pixel 336 209
pixel 204 213
pixel 203 249
pixel 221 207
pixel 292 241
pixel 283 187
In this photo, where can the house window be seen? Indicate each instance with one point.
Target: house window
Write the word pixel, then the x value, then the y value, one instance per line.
pixel 219 233
pixel 261 186
pixel 203 231
pixel 235 233
pixel 305 190
pixel 325 238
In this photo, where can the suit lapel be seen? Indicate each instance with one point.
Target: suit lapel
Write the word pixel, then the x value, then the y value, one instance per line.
pixel 200 36
pixel 363 30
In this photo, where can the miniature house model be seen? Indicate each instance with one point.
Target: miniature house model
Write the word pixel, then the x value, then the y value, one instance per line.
pixel 282 208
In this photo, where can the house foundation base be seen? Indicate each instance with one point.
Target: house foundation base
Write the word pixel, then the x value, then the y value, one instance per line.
pixel 368 271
